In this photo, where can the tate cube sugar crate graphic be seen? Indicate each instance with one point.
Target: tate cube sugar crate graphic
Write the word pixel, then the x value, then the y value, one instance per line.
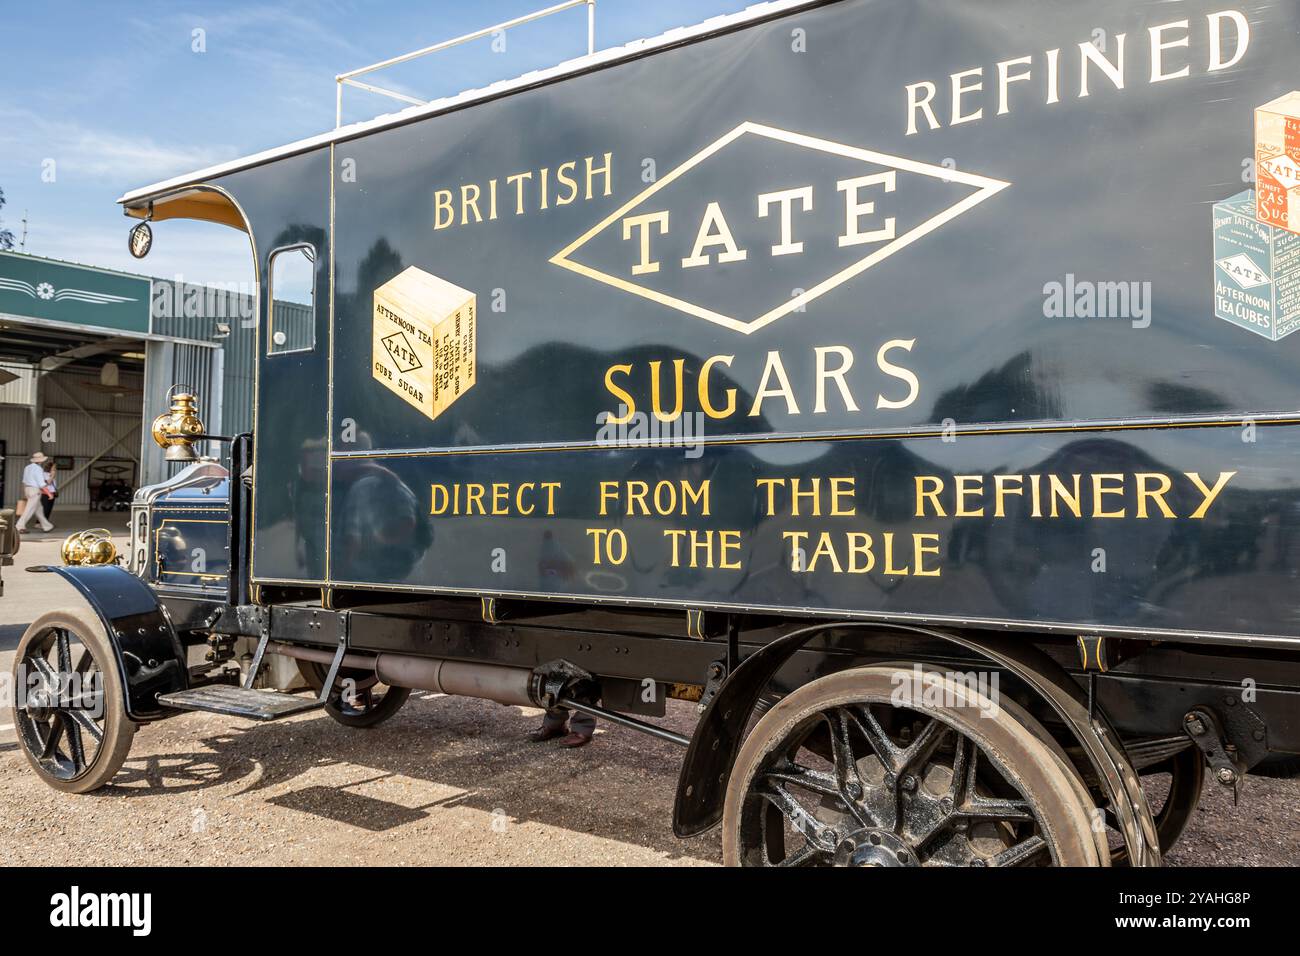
pixel 1256 270
pixel 424 339
pixel 1277 162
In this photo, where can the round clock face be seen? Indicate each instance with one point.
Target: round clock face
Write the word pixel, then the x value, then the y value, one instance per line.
pixel 140 240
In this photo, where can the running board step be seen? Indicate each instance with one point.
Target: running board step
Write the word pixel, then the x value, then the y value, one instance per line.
pixel 240 702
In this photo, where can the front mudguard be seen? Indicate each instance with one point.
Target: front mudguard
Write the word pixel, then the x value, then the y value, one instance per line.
pixel 149 656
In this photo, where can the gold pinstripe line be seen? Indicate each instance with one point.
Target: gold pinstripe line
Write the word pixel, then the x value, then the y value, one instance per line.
pixel 859 436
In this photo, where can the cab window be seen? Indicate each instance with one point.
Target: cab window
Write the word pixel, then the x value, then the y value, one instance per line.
pixel 293 300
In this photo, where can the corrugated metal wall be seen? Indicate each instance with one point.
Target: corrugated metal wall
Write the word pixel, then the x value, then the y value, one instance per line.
pixel 189 311
pixel 22 390
pixel 297 322
pixel 80 419
pixel 199 368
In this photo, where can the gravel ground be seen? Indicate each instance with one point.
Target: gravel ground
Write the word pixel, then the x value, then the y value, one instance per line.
pixel 446 781
pixel 1262 830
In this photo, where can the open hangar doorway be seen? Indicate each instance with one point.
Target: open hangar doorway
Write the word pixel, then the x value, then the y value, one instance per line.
pixel 78 399
pixel 84 365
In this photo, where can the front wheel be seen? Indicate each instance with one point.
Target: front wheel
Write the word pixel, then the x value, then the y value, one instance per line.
pixel 864 768
pixel 69 711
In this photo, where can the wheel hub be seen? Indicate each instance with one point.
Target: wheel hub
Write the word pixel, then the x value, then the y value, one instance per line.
pixel 872 846
pixel 39 704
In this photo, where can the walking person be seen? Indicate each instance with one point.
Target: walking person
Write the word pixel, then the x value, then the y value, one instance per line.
pixel 51 490
pixel 33 481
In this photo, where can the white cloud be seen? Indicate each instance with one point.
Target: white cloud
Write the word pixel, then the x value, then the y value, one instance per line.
pixel 96 154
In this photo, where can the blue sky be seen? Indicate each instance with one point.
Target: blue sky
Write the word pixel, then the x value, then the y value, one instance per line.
pixel 105 97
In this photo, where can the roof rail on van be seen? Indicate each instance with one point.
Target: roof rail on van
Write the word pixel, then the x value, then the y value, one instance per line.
pixel 350 78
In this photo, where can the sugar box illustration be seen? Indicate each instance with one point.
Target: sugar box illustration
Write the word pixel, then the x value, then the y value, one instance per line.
pixel 423 346
pixel 1256 270
pixel 1277 162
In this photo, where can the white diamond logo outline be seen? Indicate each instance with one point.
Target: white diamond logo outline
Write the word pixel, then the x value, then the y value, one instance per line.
pixel 1242 270
pixel 985 187
pixel 1282 168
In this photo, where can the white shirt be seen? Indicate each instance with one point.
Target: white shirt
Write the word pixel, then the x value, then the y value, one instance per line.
pixel 34 476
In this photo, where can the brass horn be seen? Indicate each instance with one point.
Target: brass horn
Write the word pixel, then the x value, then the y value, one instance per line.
pixel 94 546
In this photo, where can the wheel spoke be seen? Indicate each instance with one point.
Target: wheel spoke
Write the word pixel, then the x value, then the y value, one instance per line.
pixel 88 702
pixel 848 782
pixel 43 668
pixel 806 855
pixel 84 721
pixel 798 817
pixel 920 750
pixel 924 843
pixel 870 727
pixel 797 775
pixel 1020 853
pixel 51 744
pixel 75 749
pixel 995 808
pixel 65 652
pixel 963 763
pixel 972 770
pixel 846 764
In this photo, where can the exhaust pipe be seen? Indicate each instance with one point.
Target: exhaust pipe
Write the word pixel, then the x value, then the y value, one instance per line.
pixel 364 662
pixel 505 685
pixel 497 682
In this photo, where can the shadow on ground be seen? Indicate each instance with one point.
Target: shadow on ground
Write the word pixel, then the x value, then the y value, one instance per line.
pixel 477 750
pixel 10 635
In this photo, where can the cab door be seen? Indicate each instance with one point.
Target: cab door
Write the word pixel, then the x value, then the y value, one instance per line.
pixel 288 203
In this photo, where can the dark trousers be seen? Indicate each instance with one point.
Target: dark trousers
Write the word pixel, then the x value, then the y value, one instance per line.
pixel 580 723
pixel 47 504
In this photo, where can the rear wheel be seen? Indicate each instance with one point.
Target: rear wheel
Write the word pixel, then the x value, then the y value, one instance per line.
pixel 1186 771
pixel 862 768
pixel 358 699
pixel 1180 778
pixel 69 710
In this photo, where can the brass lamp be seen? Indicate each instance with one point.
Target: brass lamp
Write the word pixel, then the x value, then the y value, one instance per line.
pixel 89 547
pixel 176 430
